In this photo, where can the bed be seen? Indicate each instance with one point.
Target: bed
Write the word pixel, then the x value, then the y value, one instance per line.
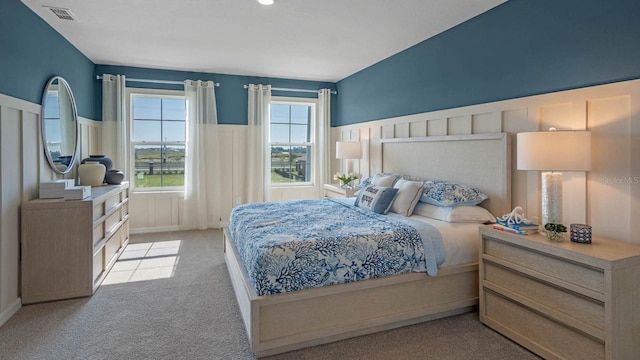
pixel 283 320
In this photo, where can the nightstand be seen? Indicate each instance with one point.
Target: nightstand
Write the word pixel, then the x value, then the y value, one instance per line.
pixel 335 191
pixel 561 300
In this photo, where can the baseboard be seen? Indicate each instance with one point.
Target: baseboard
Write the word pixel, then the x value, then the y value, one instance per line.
pixel 157 229
pixel 12 310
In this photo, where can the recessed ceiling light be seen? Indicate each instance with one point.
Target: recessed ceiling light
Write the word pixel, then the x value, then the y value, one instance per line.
pixel 266 2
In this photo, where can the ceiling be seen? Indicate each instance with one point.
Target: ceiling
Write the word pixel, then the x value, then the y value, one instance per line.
pixel 322 40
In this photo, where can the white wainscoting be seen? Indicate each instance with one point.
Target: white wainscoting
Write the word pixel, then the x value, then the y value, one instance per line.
pixel 607 197
pixel 22 167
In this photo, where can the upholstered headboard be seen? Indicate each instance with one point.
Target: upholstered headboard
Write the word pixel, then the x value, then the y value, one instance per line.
pixel 481 161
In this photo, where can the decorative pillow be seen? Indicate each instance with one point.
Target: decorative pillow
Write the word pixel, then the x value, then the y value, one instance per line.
pixel 444 193
pixel 464 213
pixel 376 198
pixel 408 195
pixel 386 179
pixel 412 178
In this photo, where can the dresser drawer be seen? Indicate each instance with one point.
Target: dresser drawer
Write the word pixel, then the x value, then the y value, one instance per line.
pixel 98 211
pixel 576 306
pixel 533 330
pixel 111 221
pixel 98 264
pixel 562 270
pixel 112 246
pixel 98 233
pixel 112 201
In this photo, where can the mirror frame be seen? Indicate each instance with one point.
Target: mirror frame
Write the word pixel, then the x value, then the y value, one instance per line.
pixel 62 83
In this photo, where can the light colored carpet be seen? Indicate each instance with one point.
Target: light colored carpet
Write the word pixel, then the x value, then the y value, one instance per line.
pixel 190 312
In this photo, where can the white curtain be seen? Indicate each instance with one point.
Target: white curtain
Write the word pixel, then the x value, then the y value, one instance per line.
pixel 258 174
pixel 202 157
pixel 324 136
pixel 114 119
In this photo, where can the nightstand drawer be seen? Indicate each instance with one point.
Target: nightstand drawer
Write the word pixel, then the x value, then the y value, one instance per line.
pixel 334 195
pixel 559 269
pixel 549 338
pixel 335 191
pixel 559 302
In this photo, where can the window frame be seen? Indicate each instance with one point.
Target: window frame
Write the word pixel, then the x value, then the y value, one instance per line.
pixel 313 143
pixel 159 93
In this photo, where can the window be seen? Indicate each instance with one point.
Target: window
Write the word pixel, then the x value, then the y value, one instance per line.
pixel 158 134
pixel 291 141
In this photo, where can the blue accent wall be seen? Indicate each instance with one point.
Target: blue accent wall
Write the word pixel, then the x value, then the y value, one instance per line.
pixel 231 96
pixel 32 52
pixel 517 49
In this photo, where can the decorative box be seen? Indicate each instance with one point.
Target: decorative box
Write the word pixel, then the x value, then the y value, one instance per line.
pixel 580 233
pixel 77 192
pixel 54 189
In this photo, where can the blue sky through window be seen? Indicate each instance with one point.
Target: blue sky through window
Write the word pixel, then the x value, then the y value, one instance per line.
pixel 158 119
pixel 290 123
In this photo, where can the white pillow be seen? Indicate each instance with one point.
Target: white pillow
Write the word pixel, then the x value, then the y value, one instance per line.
pixel 383 180
pixel 462 213
pixel 409 193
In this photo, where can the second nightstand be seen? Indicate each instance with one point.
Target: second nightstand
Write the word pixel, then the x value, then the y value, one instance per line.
pixel 335 191
pixel 561 300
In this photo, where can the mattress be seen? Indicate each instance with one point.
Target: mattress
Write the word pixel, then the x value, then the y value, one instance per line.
pixel 460 240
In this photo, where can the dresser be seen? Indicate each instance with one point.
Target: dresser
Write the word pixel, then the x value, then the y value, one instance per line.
pixel 68 247
pixel 562 300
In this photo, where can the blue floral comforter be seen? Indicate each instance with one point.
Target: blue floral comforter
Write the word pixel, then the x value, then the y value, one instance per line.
pixel 295 245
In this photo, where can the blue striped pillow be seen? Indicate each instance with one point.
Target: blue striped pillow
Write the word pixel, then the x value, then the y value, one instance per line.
pixel 376 198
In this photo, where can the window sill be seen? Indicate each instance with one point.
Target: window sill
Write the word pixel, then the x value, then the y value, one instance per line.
pixel 295 186
pixel 139 191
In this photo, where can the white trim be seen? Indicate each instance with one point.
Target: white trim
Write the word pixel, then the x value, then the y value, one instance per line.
pixel 157 229
pixel 313 144
pixel 495 136
pixel 10 311
pixel 15 103
pixel 159 93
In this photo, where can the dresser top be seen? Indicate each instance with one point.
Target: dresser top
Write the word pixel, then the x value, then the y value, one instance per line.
pixel 98 193
pixel 601 252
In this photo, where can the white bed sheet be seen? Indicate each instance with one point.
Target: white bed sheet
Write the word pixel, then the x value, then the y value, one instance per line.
pixel 460 240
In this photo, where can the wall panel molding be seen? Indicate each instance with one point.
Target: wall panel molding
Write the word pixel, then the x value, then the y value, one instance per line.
pixel 608 197
pixel 22 167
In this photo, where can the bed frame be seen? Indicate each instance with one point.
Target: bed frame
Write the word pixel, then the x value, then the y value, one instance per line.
pixel 289 321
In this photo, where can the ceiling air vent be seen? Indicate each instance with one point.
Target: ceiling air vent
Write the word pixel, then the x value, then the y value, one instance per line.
pixel 62 13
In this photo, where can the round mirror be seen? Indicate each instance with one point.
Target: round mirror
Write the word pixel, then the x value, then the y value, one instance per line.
pixel 59 125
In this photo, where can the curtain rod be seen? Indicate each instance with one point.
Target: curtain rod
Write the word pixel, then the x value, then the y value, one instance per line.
pixel 170 82
pixel 293 90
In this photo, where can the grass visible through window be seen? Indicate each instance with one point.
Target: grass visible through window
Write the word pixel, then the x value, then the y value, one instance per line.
pixel 143 180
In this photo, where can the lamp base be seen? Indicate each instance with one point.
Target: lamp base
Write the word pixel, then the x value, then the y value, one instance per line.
pixel 551 198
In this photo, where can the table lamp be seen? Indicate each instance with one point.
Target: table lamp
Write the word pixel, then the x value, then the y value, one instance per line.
pixel 553 151
pixel 348 150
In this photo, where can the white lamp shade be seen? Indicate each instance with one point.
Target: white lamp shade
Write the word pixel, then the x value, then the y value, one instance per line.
pixel 554 150
pixel 348 150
